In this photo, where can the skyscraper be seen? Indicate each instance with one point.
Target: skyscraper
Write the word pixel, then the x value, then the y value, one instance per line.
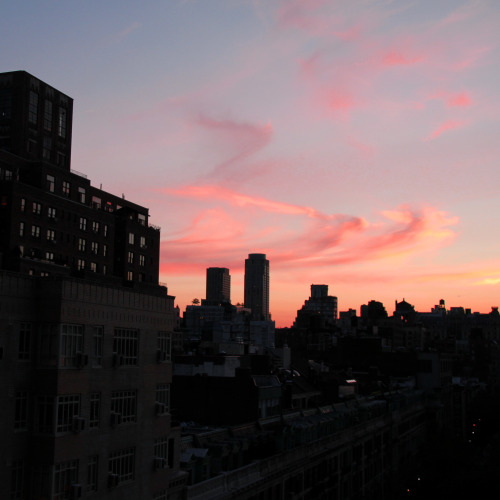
pixel 218 285
pixel 257 286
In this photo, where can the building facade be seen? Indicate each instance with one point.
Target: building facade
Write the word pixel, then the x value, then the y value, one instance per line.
pixel 85 328
pixel 257 286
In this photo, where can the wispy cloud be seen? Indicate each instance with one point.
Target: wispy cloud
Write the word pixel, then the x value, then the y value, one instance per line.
pixel 237 140
pixel 233 222
pixel 126 32
pixel 444 127
pixel 396 58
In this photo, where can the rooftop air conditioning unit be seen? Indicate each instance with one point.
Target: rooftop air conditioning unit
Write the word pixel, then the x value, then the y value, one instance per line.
pixel 113 480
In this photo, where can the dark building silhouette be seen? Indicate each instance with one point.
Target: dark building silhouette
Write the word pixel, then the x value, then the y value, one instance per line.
pixel 257 286
pixel 320 309
pixel 85 328
pixel 218 286
pixel 53 221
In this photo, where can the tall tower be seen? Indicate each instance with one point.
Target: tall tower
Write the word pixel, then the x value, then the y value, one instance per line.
pixel 218 285
pixel 36 119
pixel 257 286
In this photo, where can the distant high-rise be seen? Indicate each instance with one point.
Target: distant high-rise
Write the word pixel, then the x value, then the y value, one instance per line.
pixel 218 285
pixel 319 309
pixel 257 286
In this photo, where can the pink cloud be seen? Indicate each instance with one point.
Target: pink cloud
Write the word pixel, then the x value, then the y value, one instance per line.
pixel 451 99
pixel 339 101
pixel 461 100
pixel 447 125
pixel 395 58
pixel 295 234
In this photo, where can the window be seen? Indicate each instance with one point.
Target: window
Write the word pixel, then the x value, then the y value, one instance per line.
pixel 105 230
pixel 37 208
pixel 71 344
pixel 95 410
pixel 25 341
pixel 122 464
pixel 95 247
pixel 160 453
pixel 81 244
pixel 17 480
pixel 68 407
pixel 131 238
pixel 33 107
pixel 164 346
pixel 92 469
pixel 21 229
pixel 105 250
pixel 143 242
pixel 51 213
pixel 83 223
pixel 81 195
pixel 61 159
pixel 51 234
pixel 51 182
pixel 23 204
pixel 96 202
pixel 142 219
pixel 142 260
pixel 126 345
pixel 61 125
pixel 47 148
pixel 80 264
pixel 98 339
pixel 130 257
pixel 125 404
pixel 162 398
pixel 95 226
pixel 130 276
pixel 21 411
pixel 66 188
pixel 65 475
pixel 5 174
pixel 35 231
pixel 45 410
pixel 47 116
pixel 49 256
pixel 93 267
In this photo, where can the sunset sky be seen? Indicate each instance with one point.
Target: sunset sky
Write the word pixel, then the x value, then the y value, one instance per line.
pixel 355 142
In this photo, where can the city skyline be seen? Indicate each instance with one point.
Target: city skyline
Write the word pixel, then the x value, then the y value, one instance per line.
pixel 353 143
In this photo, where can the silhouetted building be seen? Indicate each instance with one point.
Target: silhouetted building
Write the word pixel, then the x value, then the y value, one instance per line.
pixel 218 285
pixel 85 329
pixel 257 286
pixel 319 311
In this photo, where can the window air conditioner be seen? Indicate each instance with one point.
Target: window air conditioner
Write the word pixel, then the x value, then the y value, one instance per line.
pixel 159 463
